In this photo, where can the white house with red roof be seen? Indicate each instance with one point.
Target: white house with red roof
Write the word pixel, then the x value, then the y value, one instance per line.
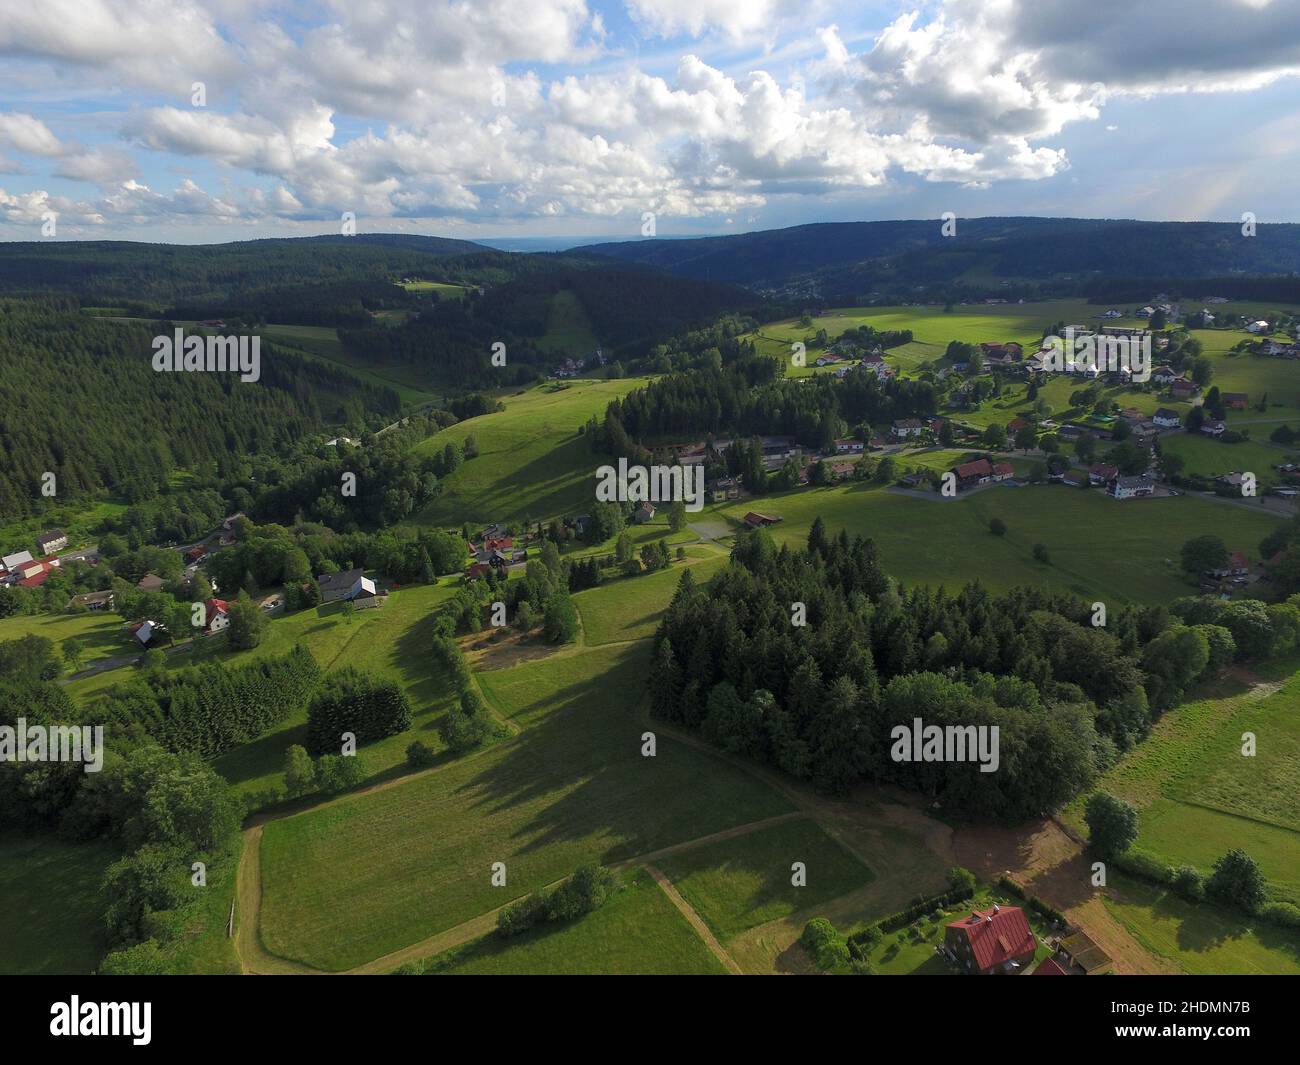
pixel 216 616
pixel 992 941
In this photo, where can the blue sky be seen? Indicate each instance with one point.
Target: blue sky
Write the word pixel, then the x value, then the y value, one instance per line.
pixel 570 117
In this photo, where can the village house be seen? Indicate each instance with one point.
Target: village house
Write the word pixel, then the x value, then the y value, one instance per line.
pixel 150 582
pixel 1183 389
pixel 1165 418
pixel 1164 375
pixel 216 616
pixel 51 540
pixel 990 942
pixel 724 488
pixel 1102 474
pixel 1132 487
pixel 12 562
pixel 1214 427
pixel 840 470
pixel 907 427
pixel 93 601
pixel 1259 326
pixel 849 447
pixel 1236 400
pixel 341 585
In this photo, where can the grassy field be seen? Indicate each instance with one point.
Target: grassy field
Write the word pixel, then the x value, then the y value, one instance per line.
pixel 75 519
pixel 1201 939
pixel 1115 550
pixel 1208 457
pixel 442 288
pixel 101 633
pixel 50 909
pixel 628 608
pixel 355 879
pixel 1199 797
pixel 638 930
pixel 744 881
pixel 531 462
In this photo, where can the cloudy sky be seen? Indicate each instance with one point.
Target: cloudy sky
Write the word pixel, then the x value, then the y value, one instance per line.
pixel 234 119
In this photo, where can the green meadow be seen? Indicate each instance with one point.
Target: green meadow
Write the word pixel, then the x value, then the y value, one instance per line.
pixel 743 881
pixel 1199 796
pixel 101 633
pixel 1120 551
pixel 50 907
pixel 569 331
pixel 532 461
pixel 1201 940
pixel 637 930
pixel 362 876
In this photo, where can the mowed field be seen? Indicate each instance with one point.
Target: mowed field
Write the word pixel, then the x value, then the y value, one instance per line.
pixel 365 875
pixel 50 908
pixel 532 462
pixel 738 883
pixel 1199 796
pixel 1121 551
pixel 638 930
pixel 102 634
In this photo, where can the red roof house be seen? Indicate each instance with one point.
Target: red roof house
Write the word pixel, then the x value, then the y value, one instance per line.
pixel 992 941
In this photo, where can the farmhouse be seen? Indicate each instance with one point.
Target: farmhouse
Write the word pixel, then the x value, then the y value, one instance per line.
pixel 216 616
pixel 94 601
pixel 724 488
pixel 1167 419
pixel 848 447
pixel 905 427
pixel 1260 326
pixel 336 586
pixel 1183 389
pixel 754 519
pixel 1236 400
pixel 12 562
pixel 51 540
pixel 990 942
pixel 1132 487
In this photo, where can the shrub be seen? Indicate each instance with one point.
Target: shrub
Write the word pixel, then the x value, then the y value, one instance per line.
pixel 419 755
pixel 337 773
pixel 824 944
pixel 1188 883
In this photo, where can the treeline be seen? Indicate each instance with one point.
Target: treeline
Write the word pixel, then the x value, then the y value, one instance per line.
pixel 209 709
pixel 167 811
pixel 370 708
pixel 820 699
pixel 79 399
pixel 747 399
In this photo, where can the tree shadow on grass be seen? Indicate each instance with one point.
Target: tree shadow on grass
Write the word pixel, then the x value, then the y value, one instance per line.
pixel 578 763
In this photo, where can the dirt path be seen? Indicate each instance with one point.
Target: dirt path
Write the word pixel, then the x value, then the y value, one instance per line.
pixel 254 958
pixel 696 921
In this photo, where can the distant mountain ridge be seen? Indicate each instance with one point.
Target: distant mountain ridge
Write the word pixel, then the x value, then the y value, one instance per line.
pixel 850 258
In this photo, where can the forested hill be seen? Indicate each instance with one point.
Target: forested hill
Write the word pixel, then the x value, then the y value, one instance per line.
pixel 123 272
pixel 79 398
pixel 850 259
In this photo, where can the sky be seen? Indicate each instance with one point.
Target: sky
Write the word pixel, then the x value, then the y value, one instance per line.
pixel 189 122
